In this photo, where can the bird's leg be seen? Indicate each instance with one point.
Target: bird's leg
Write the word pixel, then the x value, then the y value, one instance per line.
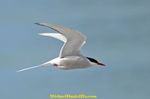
pixel 55 65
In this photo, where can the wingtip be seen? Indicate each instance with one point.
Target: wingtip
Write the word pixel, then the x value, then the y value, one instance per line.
pixel 42 24
pixel 43 34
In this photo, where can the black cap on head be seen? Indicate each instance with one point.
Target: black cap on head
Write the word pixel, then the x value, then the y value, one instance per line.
pixel 95 61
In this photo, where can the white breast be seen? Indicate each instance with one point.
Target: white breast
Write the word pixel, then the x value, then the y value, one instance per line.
pixel 71 62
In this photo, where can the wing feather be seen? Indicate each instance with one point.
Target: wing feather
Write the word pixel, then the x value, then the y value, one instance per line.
pixel 55 35
pixel 75 39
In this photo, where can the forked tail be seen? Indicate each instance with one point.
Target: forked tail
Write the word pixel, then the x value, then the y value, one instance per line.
pixel 30 68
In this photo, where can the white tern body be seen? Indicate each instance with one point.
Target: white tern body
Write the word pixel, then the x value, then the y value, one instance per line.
pixel 69 56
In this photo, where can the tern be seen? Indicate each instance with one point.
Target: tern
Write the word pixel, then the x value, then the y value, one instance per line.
pixel 69 56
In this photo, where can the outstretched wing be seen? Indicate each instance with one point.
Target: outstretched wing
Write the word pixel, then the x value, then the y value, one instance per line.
pixel 75 39
pixel 55 35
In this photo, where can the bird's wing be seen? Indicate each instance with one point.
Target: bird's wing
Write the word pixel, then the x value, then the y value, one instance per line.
pixel 55 35
pixel 75 39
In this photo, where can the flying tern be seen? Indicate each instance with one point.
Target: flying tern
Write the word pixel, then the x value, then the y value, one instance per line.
pixel 69 56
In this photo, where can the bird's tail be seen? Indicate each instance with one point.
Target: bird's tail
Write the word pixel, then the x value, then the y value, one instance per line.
pixel 44 64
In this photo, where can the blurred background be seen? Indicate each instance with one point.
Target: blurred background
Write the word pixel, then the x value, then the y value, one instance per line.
pixel 118 34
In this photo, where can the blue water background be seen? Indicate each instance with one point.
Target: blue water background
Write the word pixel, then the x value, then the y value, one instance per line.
pixel 118 34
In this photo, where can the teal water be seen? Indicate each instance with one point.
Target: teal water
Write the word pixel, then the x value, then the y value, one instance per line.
pixel 118 34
